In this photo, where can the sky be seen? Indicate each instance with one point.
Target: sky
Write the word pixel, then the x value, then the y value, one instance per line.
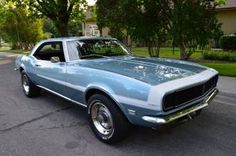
pixel 91 2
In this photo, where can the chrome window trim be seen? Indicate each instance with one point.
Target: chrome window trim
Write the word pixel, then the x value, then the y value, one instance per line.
pixel 43 42
pixel 129 52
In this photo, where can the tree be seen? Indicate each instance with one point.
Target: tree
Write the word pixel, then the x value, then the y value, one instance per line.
pixel 143 21
pixel 18 28
pixel 192 24
pixel 108 16
pixel 150 24
pixel 59 11
pixel 75 28
pixel 49 28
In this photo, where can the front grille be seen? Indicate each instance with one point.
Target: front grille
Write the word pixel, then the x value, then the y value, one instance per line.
pixel 184 96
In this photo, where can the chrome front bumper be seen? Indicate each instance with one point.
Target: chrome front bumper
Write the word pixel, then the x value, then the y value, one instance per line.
pixel 174 116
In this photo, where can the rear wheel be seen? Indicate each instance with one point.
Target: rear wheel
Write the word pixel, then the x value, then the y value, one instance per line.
pixel 29 88
pixel 106 120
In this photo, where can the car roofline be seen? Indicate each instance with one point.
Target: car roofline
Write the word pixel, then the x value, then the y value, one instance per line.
pixel 76 38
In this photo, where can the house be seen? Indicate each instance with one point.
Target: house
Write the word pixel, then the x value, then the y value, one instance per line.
pixel 226 15
pixel 89 25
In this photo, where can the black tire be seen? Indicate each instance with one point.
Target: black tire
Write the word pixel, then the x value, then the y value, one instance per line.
pixel 121 125
pixel 32 90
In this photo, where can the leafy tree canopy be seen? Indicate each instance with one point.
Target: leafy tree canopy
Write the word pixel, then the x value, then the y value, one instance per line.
pixel 190 24
pixel 193 23
pixel 59 11
pixel 16 26
pixel 144 21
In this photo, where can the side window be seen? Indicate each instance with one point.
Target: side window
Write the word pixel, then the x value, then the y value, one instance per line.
pixel 50 49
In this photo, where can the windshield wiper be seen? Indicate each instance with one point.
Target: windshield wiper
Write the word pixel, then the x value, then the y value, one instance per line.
pixel 92 56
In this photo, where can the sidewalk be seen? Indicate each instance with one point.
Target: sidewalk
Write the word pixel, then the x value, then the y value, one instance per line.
pixel 227 84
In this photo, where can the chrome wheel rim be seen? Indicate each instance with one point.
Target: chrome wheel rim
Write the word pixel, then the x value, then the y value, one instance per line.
pixel 102 119
pixel 25 84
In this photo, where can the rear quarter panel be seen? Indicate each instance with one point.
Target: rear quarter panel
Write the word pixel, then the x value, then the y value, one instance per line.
pixel 26 62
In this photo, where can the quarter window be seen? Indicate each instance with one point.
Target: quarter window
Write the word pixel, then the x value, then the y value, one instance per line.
pixel 50 49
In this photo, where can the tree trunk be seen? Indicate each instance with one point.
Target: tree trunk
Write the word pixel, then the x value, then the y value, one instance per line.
pixel 153 49
pixel 101 31
pixel 158 51
pixel 150 49
pixel 62 28
pixel 183 53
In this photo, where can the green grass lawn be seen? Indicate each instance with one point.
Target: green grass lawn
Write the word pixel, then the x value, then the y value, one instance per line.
pixel 165 52
pixel 225 69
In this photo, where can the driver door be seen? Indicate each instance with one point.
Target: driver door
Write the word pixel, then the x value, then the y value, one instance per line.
pixel 50 66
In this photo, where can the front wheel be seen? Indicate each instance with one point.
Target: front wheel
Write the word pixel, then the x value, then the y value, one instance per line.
pixel 106 120
pixel 29 88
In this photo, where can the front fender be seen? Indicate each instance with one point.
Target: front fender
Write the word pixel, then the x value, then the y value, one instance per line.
pixel 109 92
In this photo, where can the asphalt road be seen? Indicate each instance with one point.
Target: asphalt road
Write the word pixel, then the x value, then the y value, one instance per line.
pixel 48 126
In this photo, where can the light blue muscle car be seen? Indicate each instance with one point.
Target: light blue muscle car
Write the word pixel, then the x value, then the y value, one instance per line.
pixel 118 88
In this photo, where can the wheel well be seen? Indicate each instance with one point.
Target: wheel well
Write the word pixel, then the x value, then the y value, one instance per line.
pixel 91 92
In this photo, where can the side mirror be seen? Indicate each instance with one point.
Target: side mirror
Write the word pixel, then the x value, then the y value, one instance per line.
pixel 55 59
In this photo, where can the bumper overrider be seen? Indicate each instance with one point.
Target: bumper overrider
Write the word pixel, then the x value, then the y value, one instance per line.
pixel 179 114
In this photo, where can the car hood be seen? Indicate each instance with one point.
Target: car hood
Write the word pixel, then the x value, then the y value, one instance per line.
pixel 150 70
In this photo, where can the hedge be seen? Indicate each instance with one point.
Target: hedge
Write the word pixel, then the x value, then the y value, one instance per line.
pixel 221 56
pixel 228 42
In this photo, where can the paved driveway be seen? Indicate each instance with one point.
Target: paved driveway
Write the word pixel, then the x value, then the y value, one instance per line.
pixel 48 126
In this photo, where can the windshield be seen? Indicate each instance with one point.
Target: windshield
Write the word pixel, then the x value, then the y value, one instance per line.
pixel 96 48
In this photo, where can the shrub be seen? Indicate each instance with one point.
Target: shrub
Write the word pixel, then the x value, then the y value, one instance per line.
pixel 228 42
pixel 221 56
